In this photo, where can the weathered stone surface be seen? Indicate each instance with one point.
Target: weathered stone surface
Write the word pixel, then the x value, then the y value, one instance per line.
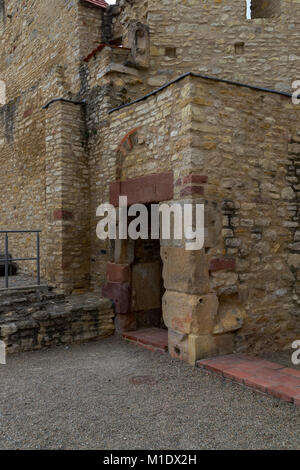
pixel 150 188
pixel 190 314
pixel 43 319
pixel 212 223
pixel 231 314
pixel 178 345
pixel 118 272
pixel 203 346
pixel 185 271
pixel 124 323
pixel 120 294
pixel 238 147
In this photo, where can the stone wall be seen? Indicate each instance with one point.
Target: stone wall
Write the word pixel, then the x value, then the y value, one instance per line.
pixel 35 319
pixel 41 47
pixel 233 148
pixel 242 140
pixel 247 275
pixel 67 197
pixel 142 139
pixel 216 38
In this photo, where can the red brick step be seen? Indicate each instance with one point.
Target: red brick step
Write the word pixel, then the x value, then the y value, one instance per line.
pixel 261 375
pixel 154 339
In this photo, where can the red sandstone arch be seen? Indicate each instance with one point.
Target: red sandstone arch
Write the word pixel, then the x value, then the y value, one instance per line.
pixel 125 146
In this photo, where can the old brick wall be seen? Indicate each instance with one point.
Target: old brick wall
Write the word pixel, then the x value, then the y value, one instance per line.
pixel 41 47
pixel 36 56
pixel 67 197
pixel 203 131
pixel 142 139
pixel 216 38
pixel 233 147
pixel 245 142
pixel 36 319
pixel 37 37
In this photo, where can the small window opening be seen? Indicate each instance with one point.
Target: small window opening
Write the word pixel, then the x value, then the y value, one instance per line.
pixel 2 12
pixel 116 41
pixel 171 52
pixel 263 9
pixel 239 48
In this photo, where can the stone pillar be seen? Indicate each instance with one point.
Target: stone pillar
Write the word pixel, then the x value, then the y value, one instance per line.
pixel 190 305
pixel 67 198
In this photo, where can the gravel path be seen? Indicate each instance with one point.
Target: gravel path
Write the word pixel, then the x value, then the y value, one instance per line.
pixel 114 395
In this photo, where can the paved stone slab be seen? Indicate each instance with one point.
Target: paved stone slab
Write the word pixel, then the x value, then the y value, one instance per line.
pixel 154 339
pixel 259 374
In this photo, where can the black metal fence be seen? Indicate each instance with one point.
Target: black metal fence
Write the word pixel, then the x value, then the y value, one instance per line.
pixel 7 259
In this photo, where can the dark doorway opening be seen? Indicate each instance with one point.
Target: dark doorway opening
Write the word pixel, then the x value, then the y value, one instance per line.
pixel 147 282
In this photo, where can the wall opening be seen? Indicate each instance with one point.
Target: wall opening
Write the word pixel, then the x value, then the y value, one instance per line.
pixel 2 14
pixel 239 48
pixel 147 282
pixel 263 9
pixel 171 52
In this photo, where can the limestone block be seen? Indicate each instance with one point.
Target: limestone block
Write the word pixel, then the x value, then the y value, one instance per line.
pixel 139 43
pixel 294 261
pixel 190 314
pixel 212 223
pixel 203 346
pixel 185 271
pixel 231 319
pixel 8 329
pixel 119 68
pixel 231 314
pixel 178 345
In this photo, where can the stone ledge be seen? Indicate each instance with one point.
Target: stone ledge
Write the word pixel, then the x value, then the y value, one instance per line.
pixel 36 320
pixel 260 375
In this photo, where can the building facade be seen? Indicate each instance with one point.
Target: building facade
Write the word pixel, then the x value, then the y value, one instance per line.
pixel 161 101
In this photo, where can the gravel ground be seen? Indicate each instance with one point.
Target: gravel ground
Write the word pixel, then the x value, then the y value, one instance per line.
pixel 114 395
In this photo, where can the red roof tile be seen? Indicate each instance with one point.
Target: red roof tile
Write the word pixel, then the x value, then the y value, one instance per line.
pixel 100 47
pixel 98 3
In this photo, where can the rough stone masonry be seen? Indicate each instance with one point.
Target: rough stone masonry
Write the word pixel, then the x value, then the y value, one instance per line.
pixel 161 101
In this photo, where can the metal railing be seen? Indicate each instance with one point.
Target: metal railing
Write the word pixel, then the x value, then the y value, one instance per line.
pixel 7 259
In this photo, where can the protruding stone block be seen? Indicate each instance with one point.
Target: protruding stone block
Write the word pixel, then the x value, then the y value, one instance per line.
pixel 190 314
pixel 231 315
pixel 178 345
pixel 185 271
pixel 203 346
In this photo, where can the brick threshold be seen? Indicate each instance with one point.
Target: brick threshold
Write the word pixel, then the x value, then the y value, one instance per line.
pixel 258 374
pixel 153 339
